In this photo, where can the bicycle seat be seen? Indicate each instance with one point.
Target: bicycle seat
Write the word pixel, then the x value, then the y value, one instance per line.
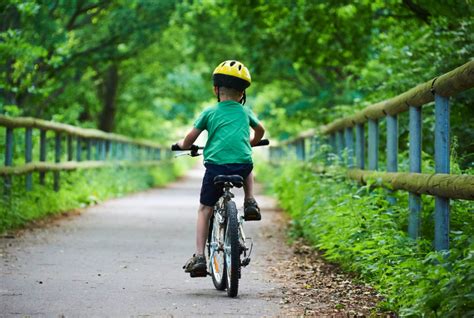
pixel 236 180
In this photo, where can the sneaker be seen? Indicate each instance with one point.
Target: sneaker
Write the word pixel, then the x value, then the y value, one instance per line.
pixel 251 210
pixel 196 266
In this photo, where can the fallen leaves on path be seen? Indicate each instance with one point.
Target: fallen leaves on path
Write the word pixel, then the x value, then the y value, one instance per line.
pixel 313 287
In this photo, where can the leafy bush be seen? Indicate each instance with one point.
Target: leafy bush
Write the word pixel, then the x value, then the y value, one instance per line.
pixel 358 228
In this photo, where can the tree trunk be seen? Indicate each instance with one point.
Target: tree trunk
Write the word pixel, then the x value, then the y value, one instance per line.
pixel 108 92
pixel 9 19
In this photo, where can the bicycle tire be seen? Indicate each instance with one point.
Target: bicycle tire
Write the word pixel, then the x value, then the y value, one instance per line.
pixel 232 250
pixel 216 262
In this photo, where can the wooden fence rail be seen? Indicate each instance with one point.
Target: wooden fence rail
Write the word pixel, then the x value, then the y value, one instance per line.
pixel 93 149
pixel 340 137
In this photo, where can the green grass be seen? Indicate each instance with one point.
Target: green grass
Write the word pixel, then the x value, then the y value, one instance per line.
pixel 80 189
pixel 357 228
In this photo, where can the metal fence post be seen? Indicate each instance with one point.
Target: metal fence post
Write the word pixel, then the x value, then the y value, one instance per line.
pixel 300 149
pixel 78 149
pixel 133 152
pixel 138 152
pixel 340 144
pixel 126 153
pixel 122 151
pixel 42 154
pixel 112 150
pixel 97 149
pixel 108 149
pixel 57 159
pixel 414 200
pixel 102 149
pixel 373 144
pixel 442 144
pixel 88 149
pixel 332 142
pixel 360 146
pixel 349 139
pixel 70 149
pixel 392 148
pixel 29 156
pixel 392 143
pixel 8 158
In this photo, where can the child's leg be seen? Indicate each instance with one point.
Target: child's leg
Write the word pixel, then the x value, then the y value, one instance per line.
pixel 202 227
pixel 248 186
pixel 251 209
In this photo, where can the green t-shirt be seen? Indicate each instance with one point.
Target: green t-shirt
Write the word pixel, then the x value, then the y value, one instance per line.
pixel 228 126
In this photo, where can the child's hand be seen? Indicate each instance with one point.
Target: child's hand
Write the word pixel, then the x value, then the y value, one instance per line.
pixel 175 147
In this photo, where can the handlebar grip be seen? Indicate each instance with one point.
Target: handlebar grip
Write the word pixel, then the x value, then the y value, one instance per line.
pixel 175 147
pixel 263 142
pixel 194 148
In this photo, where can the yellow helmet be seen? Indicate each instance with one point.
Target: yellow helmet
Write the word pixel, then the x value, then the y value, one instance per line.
pixel 232 74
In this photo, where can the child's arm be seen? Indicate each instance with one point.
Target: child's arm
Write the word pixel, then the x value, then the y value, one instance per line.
pixel 259 131
pixel 190 138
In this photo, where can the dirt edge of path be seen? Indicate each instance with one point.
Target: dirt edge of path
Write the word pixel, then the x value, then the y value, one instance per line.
pixel 312 286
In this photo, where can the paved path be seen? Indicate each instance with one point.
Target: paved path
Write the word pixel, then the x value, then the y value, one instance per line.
pixel 123 258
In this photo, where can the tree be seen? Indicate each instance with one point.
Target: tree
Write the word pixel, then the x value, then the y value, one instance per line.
pixel 51 46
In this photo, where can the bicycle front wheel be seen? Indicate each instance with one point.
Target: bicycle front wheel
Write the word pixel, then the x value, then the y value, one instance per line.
pixel 232 250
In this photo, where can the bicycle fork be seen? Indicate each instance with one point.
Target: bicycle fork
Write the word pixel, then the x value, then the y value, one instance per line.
pixel 244 249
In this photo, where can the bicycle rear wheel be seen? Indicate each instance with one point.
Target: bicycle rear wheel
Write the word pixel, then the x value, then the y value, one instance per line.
pixel 216 253
pixel 232 250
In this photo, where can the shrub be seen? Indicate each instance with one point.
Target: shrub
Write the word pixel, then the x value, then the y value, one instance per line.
pixel 358 228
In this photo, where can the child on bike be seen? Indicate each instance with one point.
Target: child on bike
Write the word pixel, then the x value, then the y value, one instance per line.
pixel 227 152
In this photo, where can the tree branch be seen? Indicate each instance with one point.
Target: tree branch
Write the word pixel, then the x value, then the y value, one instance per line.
pixel 80 11
pixel 106 43
pixel 420 12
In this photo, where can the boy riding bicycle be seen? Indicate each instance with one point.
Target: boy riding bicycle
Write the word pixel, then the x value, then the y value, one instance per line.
pixel 228 149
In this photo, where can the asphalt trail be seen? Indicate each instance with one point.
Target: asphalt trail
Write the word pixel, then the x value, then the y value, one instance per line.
pixel 123 258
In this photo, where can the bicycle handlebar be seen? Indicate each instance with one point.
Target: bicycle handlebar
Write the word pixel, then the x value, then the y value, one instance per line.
pixel 175 147
pixel 195 149
pixel 263 142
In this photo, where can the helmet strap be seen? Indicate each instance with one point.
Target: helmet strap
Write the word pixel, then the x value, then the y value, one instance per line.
pixel 244 99
pixel 218 95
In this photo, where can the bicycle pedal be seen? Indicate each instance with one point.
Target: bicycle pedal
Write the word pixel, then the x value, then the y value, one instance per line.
pixel 198 274
pixel 245 261
pixel 253 217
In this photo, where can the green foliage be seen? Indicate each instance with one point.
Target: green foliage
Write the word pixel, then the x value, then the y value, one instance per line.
pixel 57 57
pixel 119 64
pixel 356 227
pixel 80 189
pixel 142 68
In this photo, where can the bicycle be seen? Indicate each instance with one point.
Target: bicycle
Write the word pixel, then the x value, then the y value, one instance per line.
pixel 228 249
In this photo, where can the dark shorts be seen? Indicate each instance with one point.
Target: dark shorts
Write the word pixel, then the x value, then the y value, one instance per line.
pixel 210 194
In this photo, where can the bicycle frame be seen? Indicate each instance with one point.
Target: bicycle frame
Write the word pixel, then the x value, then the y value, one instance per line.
pixel 220 208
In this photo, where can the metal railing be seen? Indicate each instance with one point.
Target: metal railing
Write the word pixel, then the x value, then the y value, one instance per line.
pixel 84 149
pixel 339 134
